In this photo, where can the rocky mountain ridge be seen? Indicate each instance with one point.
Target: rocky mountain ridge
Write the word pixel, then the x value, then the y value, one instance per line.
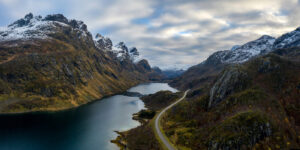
pixel 240 54
pixel 54 63
pixel 261 46
pixel 120 50
pixel 37 27
pixel 214 64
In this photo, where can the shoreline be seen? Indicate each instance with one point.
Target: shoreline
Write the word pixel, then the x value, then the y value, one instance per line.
pixel 70 108
pixel 121 140
pixel 146 119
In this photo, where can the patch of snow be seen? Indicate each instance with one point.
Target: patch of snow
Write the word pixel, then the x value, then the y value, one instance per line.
pixel 35 27
pixel 102 42
pixel 291 39
pixel 240 54
pixel 249 50
pixel 122 52
pixel 33 30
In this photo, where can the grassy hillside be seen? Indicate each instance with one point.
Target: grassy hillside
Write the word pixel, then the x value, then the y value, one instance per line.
pixel 254 105
pixel 63 71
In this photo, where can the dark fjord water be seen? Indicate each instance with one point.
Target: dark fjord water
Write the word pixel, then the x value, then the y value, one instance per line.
pixel 89 127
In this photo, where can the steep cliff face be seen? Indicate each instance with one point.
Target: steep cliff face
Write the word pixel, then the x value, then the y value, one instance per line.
pixel 231 80
pixel 54 63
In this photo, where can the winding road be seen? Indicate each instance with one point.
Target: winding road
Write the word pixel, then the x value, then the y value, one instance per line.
pixel 157 129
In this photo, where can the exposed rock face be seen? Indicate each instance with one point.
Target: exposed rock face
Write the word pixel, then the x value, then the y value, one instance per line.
pixel 122 47
pixel 57 17
pixel 103 43
pixel 134 51
pixel 231 80
pixel 144 64
pixel 134 54
pixel 216 58
pixel 22 22
pixel 123 53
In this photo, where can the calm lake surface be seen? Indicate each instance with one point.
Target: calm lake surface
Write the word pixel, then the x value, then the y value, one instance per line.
pixel 89 127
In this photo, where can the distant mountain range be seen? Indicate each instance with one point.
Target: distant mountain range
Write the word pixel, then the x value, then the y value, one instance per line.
pixel 52 63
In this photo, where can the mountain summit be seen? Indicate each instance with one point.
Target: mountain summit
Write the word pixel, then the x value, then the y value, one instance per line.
pixel 36 27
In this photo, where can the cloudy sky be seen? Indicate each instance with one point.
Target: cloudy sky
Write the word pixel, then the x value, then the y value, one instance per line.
pixel 170 33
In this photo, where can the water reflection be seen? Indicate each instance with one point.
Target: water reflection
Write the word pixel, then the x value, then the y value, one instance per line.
pixel 89 127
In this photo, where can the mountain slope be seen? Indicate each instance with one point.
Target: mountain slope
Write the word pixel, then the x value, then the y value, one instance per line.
pixel 252 104
pixel 54 63
pixel 249 105
pixel 216 62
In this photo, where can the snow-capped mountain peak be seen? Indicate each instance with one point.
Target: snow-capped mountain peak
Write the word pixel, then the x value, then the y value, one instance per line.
pixel 291 39
pixel 37 27
pixel 122 52
pixel 240 54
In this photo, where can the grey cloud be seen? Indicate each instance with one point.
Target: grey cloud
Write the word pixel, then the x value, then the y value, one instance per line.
pixel 181 32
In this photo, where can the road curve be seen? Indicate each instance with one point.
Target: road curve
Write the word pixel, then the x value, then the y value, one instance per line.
pixel 157 129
